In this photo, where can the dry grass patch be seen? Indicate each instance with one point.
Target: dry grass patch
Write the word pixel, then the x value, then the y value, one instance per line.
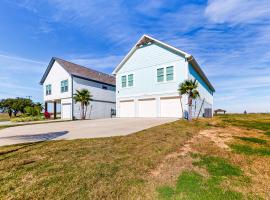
pixel 4 117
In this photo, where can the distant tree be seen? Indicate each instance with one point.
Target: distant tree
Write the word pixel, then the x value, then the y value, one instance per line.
pixel 6 106
pixel 189 88
pixel 83 96
pixel 15 105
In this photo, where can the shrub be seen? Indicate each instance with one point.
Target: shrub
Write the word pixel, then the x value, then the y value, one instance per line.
pixel 28 119
pixel 32 110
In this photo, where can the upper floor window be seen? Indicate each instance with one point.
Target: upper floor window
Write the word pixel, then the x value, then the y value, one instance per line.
pixel 64 86
pixel 124 81
pixel 130 80
pixel 160 75
pixel 48 89
pixel 169 73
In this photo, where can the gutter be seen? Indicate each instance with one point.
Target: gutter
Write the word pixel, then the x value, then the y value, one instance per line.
pixel 196 66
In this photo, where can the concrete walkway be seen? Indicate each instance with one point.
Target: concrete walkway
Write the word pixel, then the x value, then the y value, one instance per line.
pixel 5 123
pixel 77 129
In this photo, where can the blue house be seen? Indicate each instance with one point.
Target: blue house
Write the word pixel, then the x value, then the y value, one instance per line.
pixel 148 77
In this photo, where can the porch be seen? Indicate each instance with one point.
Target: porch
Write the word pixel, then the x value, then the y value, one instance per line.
pixel 54 108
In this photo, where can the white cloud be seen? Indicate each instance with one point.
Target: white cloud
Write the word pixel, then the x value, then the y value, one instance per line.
pixel 19 76
pixel 150 7
pixel 17 64
pixel 237 11
pixel 99 63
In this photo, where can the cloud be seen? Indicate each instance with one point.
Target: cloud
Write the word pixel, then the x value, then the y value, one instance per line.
pixel 237 11
pixel 228 39
pixel 19 76
pixel 106 63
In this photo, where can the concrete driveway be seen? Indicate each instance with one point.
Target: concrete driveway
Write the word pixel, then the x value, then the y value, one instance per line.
pixel 78 129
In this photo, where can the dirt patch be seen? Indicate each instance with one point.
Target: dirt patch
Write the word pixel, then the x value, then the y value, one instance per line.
pixel 180 159
pixel 176 161
pixel 219 136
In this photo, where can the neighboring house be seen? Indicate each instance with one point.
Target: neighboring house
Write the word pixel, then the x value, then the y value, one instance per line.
pixel 148 77
pixel 63 78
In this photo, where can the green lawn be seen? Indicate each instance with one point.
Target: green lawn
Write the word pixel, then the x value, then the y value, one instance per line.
pixel 122 167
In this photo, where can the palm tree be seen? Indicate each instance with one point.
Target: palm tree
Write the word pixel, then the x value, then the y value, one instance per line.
pixel 84 97
pixel 189 87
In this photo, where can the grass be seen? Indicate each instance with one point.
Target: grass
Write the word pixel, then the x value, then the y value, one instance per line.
pixel 252 139
pixel 251 121
pixel 105 168
pixel 217 166
pixel 4 117
pixel 250 150
pixel 267 133
pixel 120 167
pixel 192 185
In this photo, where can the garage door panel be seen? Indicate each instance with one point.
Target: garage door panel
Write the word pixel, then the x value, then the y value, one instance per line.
pixel 127 108
pixel 170 107
pixel 66 111
pixel 147 108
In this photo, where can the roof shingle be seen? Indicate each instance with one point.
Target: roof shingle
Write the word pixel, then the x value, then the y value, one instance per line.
pixel 81 71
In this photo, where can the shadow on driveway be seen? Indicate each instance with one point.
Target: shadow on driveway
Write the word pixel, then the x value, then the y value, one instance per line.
pixel 36 137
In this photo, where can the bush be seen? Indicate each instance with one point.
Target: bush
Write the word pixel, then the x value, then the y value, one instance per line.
pixel 32 110
pixel 28 119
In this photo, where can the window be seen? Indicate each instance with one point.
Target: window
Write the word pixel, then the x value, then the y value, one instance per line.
pixel 130 80
pixel 169 73
pixel 104 87
pixel 124 81
pixel 160 75
pixel 48 89
pixel 64 86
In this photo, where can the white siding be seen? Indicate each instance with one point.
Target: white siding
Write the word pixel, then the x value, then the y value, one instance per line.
pixel 103 99
pixel 55 76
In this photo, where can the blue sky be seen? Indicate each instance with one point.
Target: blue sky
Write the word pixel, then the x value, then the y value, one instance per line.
pixel 230 40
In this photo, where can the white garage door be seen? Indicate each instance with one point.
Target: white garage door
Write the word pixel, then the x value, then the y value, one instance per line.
pixel 147 108
pixel 127 108
pixel 66 111
pixel 170 107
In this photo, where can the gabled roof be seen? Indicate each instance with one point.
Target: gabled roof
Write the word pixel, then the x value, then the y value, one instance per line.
pixel 145 39
pixel 79 71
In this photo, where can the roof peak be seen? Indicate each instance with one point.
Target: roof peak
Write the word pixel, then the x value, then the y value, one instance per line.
pixel 80 71
pixel 88 68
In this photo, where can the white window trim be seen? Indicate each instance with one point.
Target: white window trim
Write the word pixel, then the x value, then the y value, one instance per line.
pixel 165 74
pixel 127 87
pixel 64 86
pixel 46 89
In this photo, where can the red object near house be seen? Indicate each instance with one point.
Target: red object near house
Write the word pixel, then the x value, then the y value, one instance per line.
pixel 47 115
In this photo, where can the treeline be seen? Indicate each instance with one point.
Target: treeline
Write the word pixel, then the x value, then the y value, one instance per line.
pixel 20 105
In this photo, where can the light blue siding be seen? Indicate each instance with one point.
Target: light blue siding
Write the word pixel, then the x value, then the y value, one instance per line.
pixel 205 93
pixel 143 64
pixel 198 78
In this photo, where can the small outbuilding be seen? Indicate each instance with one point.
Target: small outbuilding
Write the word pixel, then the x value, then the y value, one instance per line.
pixel 220 111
